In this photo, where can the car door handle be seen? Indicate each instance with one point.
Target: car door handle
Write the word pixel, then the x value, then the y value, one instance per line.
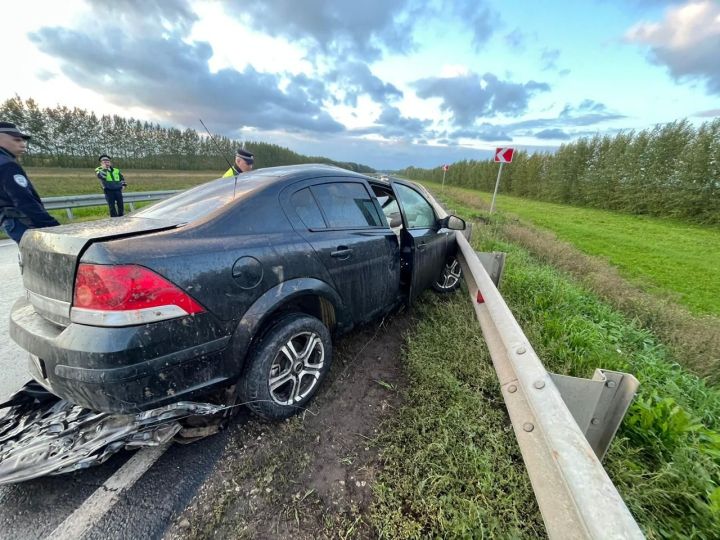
pixel 421 246
pixel 342 252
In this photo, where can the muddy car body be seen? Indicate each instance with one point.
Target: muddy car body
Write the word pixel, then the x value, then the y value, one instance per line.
pixel 235 281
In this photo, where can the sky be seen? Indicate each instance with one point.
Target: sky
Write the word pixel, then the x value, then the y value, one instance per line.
pixel 386 83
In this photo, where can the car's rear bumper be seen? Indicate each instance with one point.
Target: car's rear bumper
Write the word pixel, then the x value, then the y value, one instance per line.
pixel 126 369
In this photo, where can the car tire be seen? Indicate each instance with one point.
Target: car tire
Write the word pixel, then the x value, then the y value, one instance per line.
pixel 286 367
pixel 450 277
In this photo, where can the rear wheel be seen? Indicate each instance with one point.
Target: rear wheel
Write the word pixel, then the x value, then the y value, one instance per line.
pixel 286 367
pixel 450 276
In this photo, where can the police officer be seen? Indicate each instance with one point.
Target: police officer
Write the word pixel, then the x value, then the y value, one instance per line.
pixel 112 182
pixel 20 205
pixel 243 163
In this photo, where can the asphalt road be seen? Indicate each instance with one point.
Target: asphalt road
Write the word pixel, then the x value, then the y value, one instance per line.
pixel 13 359
pixel 37 508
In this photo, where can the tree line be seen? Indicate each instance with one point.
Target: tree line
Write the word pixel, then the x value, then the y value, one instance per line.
pixel 671 170
pixel 74 137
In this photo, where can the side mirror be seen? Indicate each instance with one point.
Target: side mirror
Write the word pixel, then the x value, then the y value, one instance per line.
pixel 452 222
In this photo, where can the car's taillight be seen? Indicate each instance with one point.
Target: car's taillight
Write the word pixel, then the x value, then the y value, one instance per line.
pixel 122 295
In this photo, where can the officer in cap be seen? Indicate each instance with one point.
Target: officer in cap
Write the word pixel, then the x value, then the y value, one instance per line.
pixel 113 183
pixel 243 163
pixel 20 205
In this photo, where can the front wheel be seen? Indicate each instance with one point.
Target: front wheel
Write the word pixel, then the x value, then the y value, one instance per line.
pixel 286 367
pixel 449 279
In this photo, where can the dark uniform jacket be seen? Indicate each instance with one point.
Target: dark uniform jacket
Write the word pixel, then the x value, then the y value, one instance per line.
pixel 18 198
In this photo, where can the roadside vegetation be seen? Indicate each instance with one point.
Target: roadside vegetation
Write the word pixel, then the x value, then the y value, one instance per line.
pixel 592 248
pixel 75 137
pixel 451 464
pixel 663 256
pixel 671 170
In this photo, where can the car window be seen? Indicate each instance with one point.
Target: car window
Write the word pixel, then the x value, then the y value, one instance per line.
pixel 418 212
pixel 347 204
pixel 389 206
pixel 308 209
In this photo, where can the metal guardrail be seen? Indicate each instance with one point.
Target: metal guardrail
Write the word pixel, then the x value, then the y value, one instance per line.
pixel 576 497
pixel 79 201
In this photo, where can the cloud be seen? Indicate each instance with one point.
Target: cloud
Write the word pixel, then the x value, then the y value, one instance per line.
pixel 355 79
pixel 516 39
pixel 555 133
pixel 337 28
pixel 480 19
pixel 687 42
pixel 586 113
pixel 367 30
pixel 138 17
pixel 469 97
pixel 549 58
pixel 172 78
pixel 394 124
pixel 484 132
pixel 712 113
pixel 391 124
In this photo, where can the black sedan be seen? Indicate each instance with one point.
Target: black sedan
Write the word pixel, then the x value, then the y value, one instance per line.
pixel 240 282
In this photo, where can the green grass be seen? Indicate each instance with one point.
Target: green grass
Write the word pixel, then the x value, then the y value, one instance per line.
pixel 57 182
pixel 664 256
pixel 452 466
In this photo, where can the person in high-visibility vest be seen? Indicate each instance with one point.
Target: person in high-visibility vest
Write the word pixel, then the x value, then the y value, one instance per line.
pixel 243 163
pixel 113 183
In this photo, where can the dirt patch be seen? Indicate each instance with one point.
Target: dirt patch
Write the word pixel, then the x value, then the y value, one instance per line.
pixel 310 476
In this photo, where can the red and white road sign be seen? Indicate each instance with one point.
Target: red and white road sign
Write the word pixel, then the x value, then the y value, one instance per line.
pixel 504 155
pixel 446 167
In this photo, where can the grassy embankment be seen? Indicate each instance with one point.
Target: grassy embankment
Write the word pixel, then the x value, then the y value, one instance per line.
pixel 660 272
pixel 665 257
pixel 452 466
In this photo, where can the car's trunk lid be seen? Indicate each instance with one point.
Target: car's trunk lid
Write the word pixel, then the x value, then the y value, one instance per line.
pixel 49 258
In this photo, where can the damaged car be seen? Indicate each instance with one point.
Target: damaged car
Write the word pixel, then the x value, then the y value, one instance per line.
pixel 239 283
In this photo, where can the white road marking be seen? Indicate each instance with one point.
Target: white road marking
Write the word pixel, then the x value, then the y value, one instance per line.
pixel 106 496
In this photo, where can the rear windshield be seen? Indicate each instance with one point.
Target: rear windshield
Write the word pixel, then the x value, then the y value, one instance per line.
pixel 202 200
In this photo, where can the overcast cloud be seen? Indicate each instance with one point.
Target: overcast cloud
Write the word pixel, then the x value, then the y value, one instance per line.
pixel 440 78
pixel 687 42
pixel 472 96
pixel 175 81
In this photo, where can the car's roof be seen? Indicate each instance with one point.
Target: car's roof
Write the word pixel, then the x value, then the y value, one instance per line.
pixel 289 173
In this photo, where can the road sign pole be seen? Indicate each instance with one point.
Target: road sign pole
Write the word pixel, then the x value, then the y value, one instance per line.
pixel 443 184
pixel 497 184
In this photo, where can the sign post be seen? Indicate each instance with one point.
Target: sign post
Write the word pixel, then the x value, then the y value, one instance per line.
pixel 445 168
pixel 502 156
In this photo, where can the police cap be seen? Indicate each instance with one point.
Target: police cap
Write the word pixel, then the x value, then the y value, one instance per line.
pixel 104 156
pixel 248 157
pixel 12 130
